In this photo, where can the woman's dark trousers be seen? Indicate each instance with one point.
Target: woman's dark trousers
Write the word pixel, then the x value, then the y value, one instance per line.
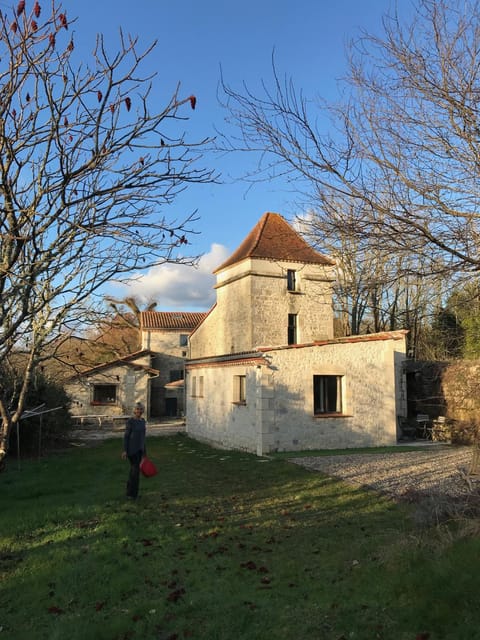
pixel 133 477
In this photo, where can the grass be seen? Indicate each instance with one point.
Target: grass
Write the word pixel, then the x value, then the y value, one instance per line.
pixel 221 545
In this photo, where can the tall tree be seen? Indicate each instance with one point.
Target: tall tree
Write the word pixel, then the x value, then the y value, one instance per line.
pixel 376 289
pixel 464 303
pixel 404 141
pixel 87 167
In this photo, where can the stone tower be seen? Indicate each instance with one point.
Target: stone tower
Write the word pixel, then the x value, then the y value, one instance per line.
pixel 275 289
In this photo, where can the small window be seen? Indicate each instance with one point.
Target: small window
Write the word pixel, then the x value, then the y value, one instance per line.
pixel 239 389
pixel 291 280
pixel 183 339
pixel 292 328
pixel 197 387
pixel 176 374
pixel 327 394
pixel 104 394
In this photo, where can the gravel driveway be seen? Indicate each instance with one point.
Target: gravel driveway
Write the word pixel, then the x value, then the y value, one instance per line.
pixel 433 470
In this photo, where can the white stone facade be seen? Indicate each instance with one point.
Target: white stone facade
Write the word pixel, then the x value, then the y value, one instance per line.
pixel 265 373
pixel 278 414
pixel 253 305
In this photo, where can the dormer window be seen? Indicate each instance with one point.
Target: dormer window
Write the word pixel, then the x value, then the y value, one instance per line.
pixel 291 280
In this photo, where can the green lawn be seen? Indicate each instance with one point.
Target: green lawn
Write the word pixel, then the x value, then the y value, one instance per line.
pixel 221 545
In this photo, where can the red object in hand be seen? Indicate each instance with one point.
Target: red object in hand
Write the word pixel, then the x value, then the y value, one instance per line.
pixel 148 468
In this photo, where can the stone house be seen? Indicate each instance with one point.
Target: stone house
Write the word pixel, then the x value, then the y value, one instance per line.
pixel 166 334
pixel 265 372
pixel 152 376
pixel 261 371
pixel 112 389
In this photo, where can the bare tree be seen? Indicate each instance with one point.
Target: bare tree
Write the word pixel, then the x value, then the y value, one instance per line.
pixel 86 170
pixel 376 289
pixel 405 140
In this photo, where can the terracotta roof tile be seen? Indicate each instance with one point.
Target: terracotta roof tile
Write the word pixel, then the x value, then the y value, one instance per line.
pixel 273 238
pixel 128 361
pixel 187 320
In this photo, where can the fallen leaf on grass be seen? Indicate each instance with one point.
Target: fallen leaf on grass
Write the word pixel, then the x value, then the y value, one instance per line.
pixel 146 543
pixel 174 596
pixel 56 610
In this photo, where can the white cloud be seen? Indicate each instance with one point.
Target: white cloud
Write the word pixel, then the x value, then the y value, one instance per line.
pixel 176 286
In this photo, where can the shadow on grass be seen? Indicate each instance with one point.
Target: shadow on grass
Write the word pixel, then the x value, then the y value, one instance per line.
pixel 220 545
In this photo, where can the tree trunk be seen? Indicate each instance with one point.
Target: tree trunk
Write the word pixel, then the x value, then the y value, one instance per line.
pixel 5 430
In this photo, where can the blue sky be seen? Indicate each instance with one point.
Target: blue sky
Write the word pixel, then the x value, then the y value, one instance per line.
pixel 195 40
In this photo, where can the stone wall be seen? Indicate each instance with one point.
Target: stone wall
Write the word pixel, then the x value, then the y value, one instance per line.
pixel 450 389
pixel 253 306
pixel 373 395
pixel 170 357
pixel 213 415
pixel 278 414
pixel 132 386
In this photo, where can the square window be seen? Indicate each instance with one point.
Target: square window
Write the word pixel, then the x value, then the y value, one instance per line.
pixel 104 394
pixel 327 394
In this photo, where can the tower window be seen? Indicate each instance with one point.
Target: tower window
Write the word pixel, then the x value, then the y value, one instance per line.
pixel 291 280
pixel 292 328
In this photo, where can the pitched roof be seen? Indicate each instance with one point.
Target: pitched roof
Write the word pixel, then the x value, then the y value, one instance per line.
pixel 128 361
pixel 187 320
pixel 273 238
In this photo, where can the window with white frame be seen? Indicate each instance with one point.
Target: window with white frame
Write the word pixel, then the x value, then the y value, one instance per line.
pixel 327 394
pixel 240 389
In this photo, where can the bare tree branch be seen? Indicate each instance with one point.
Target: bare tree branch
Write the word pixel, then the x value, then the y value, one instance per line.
pixel 87 168
pixel 404 140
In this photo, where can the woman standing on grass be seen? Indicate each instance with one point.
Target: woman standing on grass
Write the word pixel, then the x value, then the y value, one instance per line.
pixel 134 448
